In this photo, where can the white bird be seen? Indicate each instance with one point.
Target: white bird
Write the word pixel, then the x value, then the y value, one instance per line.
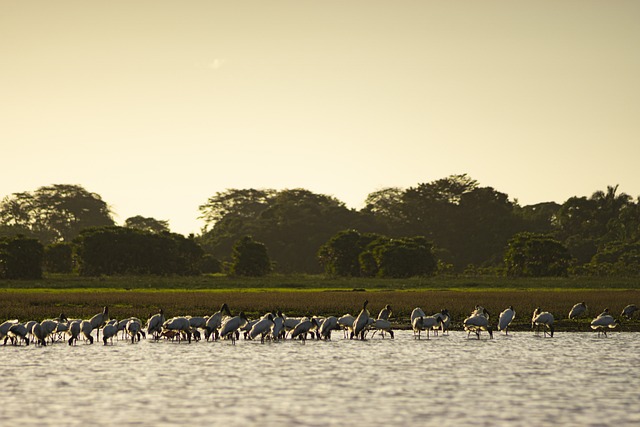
pixel 197 322
pixel 417 312
pixel 303 328
pixel 385 313
pixel 99 320
pixel 39 335
pixel 603 321
pixel 154 324
pixel 214 322
pixel 346 323
pixel 85 329
pixel 291 322
pixel 542 319
pixel 178 324
pixel 505 319
pixel 231 326
pixel 480 310
pixel 329 324
pixel 109 331
pixel 29 325
pixel 18 331
pixel 425 323
pixel 4 329
pixel 277 330
pixel 262 327
pixel 578 310
pixel 361 322
pixel 74 331
pixel 478 322
pixel 134 329
pixel 446 320
pixel 48 328
pixel 382 325
pixel 629 311
pixel 418 326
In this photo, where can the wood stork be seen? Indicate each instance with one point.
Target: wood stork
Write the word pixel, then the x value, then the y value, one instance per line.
pixel 99 320
pixel 17 332
pixel 329 324
pixel 179 324
pixel 417 312
pixel 477 322
pixel 109 331
pixel 505 319
pixel 361 322
pixel 385 313
pixel 154 324
pixel 382 325
pixel 134 329
pixel 278 331
pixel 346 323
pixel 629 311
pixel 74 331
pixel 48 328
pixel 544 320
pixel 602 322
pixel 262 327
pixel 39 335
pixel 578 310
pixel 85 329
pixel 214 322
pixel 4 329
pixel 303 328
pixel 480 310
pixel 443 321
pixel 231 326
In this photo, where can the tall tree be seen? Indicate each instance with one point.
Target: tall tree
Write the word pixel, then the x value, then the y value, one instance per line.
pixel 20 258
pixel 55 213
pixel 250 258
pixel 149 224
pixel 292 223
pixel 536 255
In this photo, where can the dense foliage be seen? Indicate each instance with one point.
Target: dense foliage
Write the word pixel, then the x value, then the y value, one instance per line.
pixel 58 258
pixel 470 229
pixel 121 250
pixel 250 258
pixel 352 254
pixel 536 255
pixel 20 258
pixel 55 213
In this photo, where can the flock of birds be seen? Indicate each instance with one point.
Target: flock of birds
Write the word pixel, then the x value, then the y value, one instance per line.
pixel 276 326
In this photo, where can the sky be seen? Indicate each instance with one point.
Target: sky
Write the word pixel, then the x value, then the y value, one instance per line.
pixel 158 105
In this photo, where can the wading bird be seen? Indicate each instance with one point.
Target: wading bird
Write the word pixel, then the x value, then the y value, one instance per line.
pixel 505 319
pixel 578 310
pixel 361 322
pixel 154 324
pixel 385 313
pixel 629 311
pixel 478 322
pixel 229 329
pixel 602 322
pixel 544 320
pixel 99 320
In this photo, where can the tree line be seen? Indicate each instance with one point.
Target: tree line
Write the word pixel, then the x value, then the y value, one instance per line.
pixel 451 224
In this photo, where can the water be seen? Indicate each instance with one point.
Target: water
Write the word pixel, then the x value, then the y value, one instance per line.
pixel 520 380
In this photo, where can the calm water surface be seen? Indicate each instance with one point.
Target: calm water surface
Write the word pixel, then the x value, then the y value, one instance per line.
pixel 520 380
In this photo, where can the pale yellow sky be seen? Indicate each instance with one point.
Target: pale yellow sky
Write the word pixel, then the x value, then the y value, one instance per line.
pixel 158 105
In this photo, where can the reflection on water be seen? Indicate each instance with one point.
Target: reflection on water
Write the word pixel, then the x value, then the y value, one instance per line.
pixel 572 379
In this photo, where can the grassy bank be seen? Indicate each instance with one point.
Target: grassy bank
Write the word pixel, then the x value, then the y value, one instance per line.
pixel 314 282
